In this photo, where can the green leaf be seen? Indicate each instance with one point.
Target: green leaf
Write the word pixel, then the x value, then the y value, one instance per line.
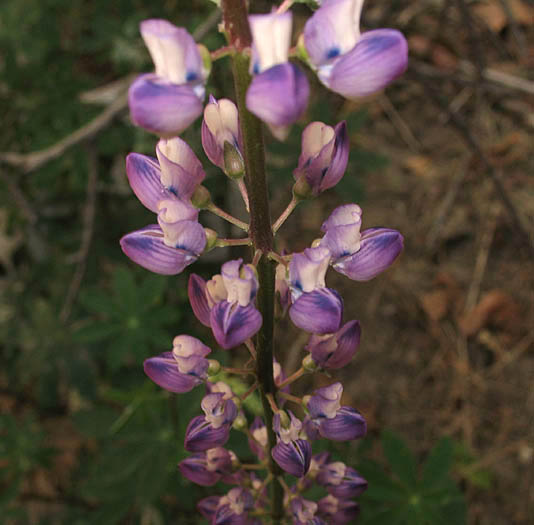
pixel 400 458
pixel 381 486
pixel 438 463
pixel 96 422
pixel 125 291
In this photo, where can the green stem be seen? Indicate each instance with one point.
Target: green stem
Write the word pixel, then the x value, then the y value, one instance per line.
pixel 260 231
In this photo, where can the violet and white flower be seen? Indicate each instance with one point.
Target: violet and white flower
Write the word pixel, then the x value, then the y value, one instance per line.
pixel 348 62
pixel 165 187
pixel 220 136
pixel 323 159
pixel 213 428
pixel 303 512
pixel 207 468
pixel 225 303
pixel 291 452
pixel 182 369
pixel 167 101
pixel 329 419
pixel 257 437
pixel 332 351
pixel 359 256
pixel 341 481
pixel 316 308
pixel 232 508
pixel 338 511
pixel 279 91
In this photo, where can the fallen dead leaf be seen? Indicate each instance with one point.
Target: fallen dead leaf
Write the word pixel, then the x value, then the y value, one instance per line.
pixel 493 14
pixel 420 165
pixel 496 308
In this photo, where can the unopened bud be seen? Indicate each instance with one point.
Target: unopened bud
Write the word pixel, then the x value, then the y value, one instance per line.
pixel 201 198
pixel 305 400
pixel 240 422
pixel 316 243
pixel 285 422
pixel 214 367
pixel 206 59
pixel 211 239
pixel 237 402
pixel 309 364
pixel 234 166
pixel 302 190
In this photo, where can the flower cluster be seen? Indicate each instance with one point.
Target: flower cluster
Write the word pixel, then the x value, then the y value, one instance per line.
pixel 170 185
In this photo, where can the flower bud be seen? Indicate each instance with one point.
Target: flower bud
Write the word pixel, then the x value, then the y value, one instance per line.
pixel 240 422
pixel 302 190
pixel 201 198
pixel 214 367
pixel 234 165
pixel 211 239
pixel 309 365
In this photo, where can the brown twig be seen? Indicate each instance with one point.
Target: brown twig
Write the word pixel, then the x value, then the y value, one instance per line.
pixel 473 144
pixel 87 233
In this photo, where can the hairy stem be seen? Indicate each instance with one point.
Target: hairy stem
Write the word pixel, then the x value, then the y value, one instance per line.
pixel 260 231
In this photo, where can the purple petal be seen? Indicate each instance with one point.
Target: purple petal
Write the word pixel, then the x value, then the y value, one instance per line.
pixel 347 425
pixel 332 30
pixel 233 324
pixel 161 107
pixel 379 247
pixel 146 248
pixel 181 171
pixel 208 506
pixel 318 312
pixel 163 370
pixel 144 178
pixel 339 161
pixel 338 511
pixel 279 95
pixel 194 469
pixel 293 457
pixel 352 486
pixel 188 236
pixel 226 516
pixel 325 401
pixel 378 58
pixel 337 350
pixel 201 436
pixel 197 297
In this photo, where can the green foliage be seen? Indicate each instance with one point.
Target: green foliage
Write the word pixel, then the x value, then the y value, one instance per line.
pixel 409 494
pixel 130 321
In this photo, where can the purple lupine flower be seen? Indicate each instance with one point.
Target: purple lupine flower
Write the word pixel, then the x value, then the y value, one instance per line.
pixel 341 481
pixel 338 511
pixel 323 159
pixel 182 369
pixel 225 303
pixel 347 62
pixel 292 453
pixel 359 256
pixel 315 308
pixel 303 512
pixel 178 239
pixel 207 468
pixel 316 463
pixel 332 351
pixel 220 136
pixel 233 507
pixel 212 429
pixel 169 100
pixel 279 91
pixel 331 420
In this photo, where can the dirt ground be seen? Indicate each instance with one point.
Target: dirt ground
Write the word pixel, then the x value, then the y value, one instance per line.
pixel 448 339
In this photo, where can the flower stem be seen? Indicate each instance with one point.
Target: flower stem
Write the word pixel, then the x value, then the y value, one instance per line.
pixel 285 214
pixel 241 371
pixel 244 194
pixel 289 397
pixel 222 243
pixel 284 6
pixel 293 377
pixel 227 217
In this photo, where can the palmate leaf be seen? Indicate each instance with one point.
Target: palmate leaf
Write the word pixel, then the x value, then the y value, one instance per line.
pixel 400 458
pixel 438 464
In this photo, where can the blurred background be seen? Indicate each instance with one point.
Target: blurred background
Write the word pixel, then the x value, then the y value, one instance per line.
pixel 445 370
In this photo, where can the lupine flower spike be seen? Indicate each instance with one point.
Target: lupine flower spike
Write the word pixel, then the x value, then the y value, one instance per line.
pixel 238 302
